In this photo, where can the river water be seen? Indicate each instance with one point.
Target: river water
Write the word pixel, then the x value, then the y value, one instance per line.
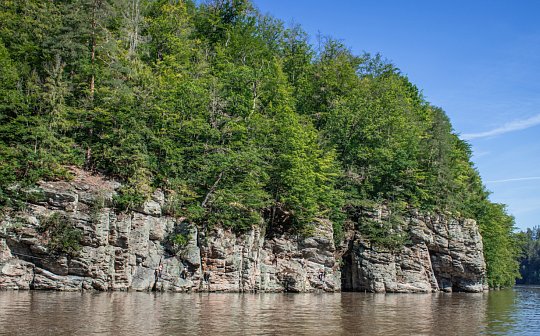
pixel 506 312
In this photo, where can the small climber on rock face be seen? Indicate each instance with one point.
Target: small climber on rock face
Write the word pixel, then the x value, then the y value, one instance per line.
pixel 183 272
pixel 322 274
pixel 206 278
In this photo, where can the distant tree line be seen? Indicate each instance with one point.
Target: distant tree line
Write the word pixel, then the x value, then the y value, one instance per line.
pixel 239 119
pixel 530 260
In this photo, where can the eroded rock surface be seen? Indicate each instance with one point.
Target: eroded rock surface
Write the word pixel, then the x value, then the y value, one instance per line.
pixel 443 254
pixel 124 251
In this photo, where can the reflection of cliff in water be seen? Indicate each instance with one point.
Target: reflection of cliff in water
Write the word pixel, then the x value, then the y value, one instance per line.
pixel 414 314
pixel 506 312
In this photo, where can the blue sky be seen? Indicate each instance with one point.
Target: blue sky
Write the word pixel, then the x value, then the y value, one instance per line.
pixel 478 60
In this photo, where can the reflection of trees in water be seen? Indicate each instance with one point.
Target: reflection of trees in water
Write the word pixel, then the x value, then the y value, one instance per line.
pixel 501 312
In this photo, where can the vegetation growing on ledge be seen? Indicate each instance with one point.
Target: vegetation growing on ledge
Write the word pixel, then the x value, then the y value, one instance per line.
pixel 61 234
pixel 237 117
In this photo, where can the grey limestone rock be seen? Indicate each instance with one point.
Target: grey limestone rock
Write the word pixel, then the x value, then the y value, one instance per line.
pixel 134 251
pixel 443 254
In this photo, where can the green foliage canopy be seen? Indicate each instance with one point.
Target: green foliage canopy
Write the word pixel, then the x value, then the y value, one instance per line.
pixel 239 119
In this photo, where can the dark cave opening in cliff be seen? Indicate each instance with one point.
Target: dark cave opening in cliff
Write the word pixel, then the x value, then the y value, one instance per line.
pixel 348 271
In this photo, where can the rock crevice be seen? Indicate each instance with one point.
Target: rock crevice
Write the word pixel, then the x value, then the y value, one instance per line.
pixel 124 251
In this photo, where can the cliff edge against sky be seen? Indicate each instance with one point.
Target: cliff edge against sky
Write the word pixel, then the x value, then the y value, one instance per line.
pixel 226 122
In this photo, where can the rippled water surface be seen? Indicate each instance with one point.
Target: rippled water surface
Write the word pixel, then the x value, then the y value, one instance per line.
pixel 507 312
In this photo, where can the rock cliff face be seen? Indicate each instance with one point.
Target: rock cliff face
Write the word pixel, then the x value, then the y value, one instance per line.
pixel 443 254
pixel 124 251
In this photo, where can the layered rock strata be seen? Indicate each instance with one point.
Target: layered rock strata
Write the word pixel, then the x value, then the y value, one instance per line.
pixel 442 254
pixel 136 250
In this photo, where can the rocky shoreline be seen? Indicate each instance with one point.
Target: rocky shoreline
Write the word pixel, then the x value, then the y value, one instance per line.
pixel 136 250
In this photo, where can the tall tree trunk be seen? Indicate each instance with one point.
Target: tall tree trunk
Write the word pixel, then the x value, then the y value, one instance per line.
pixel 93 56
pixel 96 4
pixel 95 7
pixel 212 189
pixel 134 17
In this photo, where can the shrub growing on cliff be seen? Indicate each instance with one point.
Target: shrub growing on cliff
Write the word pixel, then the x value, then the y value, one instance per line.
pixel 178 239
pixel 237 116
pixel 60 234
pixel 388 232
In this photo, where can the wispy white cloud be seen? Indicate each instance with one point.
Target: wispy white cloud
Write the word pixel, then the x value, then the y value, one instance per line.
pixel 515 125
pixel 515 179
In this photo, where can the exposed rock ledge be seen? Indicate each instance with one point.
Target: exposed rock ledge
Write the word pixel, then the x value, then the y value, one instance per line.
pixel 121 251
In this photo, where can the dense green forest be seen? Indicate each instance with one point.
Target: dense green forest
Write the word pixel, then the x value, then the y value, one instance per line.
pixel 237 117
pixel 530 260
